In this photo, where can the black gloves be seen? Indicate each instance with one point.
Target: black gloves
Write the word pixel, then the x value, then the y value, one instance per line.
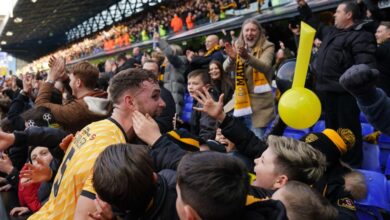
pixel 359 80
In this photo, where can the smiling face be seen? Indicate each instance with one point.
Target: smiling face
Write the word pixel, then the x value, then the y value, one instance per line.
pixel 215 72
pixel 211 41
pixel 251 34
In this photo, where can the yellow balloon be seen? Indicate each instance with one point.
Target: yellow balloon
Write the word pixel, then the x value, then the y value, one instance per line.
pixel 299 108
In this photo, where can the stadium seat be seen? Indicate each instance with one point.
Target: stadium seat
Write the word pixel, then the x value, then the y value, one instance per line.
pixel 387 168
pixel 295 133
pixel 371 157
pixel 377 196
pixel 187 109
pixel 366 129
pixel 384 146
pixel 319 126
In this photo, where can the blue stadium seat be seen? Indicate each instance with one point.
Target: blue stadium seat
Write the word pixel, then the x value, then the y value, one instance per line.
pixel 292 135
pixel 295 133
pixel 368 213
pixel 319 126
pixel 387 168
pixel 384 146
pixel 366 129
pixel 371 157
pixel 187 109
pixel 377 196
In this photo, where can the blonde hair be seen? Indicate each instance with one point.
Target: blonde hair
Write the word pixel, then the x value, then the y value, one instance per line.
pixel 302 202
pixel 296 159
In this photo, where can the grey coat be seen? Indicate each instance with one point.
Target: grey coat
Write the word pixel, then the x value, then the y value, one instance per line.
pixel 174 76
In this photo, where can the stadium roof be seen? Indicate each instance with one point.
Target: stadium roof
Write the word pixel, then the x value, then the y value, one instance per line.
pixel 38 27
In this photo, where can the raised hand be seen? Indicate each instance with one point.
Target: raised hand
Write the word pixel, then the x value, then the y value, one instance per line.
pixel 66 141
pixel 359 79
pixel 36 173
pixel 230 51
pixel 146 128
pixel 57 68
pixel 27 83
pixel 209 106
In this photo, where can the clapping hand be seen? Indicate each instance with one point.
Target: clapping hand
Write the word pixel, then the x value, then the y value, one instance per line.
pixel 57 68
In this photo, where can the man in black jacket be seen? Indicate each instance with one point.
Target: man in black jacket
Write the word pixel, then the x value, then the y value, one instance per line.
pixel 214 52
pixel 383 56
pixel 345 45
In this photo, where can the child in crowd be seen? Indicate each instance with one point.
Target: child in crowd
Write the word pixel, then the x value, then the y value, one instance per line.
pixel 202 125
pixel 34 184
pixel 124 177
pixel 277 160
pixel 339 184
pixel 303 202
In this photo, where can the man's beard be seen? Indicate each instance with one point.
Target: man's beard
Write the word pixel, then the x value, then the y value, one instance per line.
pixel 251 43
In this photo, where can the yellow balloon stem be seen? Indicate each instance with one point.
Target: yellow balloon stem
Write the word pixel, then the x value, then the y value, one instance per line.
pixel 304 52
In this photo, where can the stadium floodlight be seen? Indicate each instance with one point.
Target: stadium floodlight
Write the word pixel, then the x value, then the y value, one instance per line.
pixel 33 1
pixel 9 33
pixel 3 42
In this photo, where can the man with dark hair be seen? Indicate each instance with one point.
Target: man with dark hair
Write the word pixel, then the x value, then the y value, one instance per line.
pixel 72 194
pixel 211 186
pixel 124 63
pixel 76 114
pixel 164 120
pixel 345 45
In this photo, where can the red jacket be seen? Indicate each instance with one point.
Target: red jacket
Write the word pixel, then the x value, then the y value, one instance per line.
pixel 28 195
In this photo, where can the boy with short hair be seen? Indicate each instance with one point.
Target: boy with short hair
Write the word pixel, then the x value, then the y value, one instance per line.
pixel 211 185
pixel 124 177
pixel 303 202
pixel 202 125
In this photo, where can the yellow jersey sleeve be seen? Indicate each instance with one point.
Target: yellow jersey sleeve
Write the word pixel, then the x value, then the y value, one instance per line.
pixel 88 190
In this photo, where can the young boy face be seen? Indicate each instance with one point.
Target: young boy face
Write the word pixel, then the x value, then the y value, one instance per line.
pixel 195 83
pixel 265 170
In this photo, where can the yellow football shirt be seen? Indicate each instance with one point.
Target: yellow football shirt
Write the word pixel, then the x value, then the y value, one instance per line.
pixel 75 172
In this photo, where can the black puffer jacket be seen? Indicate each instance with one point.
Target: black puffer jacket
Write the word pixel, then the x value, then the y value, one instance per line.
pixel 341 49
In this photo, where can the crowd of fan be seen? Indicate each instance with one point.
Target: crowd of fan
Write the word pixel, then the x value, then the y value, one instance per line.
pixel 167 18
pixel 111 142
